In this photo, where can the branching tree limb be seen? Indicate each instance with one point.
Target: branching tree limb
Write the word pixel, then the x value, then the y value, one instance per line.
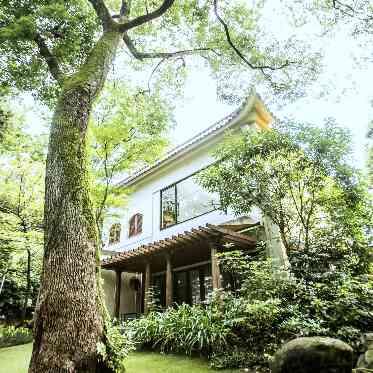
pixel 102 13
pixel 146 17
pixel 49 58
pixel 164 55
pixel 351 11
pixel 238 52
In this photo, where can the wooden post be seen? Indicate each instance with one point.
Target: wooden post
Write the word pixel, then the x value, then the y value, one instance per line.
pixel 168 280
pixel 142 307
pixel 147 287
pixel 215 270
pixel 118 286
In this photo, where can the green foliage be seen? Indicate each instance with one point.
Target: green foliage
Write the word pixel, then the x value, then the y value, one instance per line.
pixel 11 336
pixel 67 28
pixel 299 176
pixel 182 329
pixel 116 347
pixel 21 216
pixel 370 154
pixel 127 132
pixel 269 311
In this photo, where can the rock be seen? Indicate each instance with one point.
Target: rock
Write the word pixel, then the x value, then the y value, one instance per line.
pixel 366 359
pixel 313 354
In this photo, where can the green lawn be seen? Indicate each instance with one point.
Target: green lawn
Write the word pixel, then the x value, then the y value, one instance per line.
pixel 15 360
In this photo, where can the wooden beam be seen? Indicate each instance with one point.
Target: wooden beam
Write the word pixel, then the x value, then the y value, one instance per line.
pixel 194 236
pixel 118 287
pixel 215 269
pixel 186 239
pixel 232 234
pixel 198 232
pixel 169 297
pixel 147 284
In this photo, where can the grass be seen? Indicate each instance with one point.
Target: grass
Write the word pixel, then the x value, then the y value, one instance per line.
pixel 15 360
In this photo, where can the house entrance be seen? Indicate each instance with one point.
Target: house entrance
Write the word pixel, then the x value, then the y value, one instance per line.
pixel 192 286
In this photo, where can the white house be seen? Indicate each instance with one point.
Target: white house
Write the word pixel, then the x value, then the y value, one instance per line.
pixel 169 233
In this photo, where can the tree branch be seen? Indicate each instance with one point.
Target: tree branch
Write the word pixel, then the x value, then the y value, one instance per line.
pixel 164 55
pixel 238 52
pixel 350 11
pixel 49 58
pixel 147 17
pixel 102 13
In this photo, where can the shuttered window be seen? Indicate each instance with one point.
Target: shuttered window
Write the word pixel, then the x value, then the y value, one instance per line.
pixel 114 235
pixel 135 225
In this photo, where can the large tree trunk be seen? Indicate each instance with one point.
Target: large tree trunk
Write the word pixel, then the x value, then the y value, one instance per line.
pixel 70 313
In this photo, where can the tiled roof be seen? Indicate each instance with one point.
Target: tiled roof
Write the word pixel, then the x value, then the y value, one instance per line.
pixel 225 122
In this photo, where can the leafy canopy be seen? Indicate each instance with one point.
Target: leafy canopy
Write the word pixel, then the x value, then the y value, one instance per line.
pixel 299 176
pixel 42 40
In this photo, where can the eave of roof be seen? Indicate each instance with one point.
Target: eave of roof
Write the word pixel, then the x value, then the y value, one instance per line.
pixel 252 102
pixel 186 239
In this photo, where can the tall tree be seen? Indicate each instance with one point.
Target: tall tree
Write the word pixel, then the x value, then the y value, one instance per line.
pixel 21 206
pixel 63 50
pixel 299 176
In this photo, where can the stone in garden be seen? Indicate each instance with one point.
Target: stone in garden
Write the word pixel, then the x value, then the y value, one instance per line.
pixel 313 354
pixel 366 360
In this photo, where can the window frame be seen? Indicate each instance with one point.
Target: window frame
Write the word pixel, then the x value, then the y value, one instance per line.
pixel 137 231
pixel 117 229
pixel 173 185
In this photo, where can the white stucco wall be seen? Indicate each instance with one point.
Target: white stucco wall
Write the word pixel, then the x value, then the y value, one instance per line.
pixel 129 301
pixel 145 199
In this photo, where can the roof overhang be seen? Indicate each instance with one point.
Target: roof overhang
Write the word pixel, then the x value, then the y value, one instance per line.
pixel 187 244
pixel 252 110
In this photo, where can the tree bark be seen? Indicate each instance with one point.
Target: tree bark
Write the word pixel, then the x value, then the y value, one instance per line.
pixel 69 316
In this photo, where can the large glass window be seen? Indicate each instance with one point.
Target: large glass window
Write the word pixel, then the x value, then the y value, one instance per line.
pixel 185 200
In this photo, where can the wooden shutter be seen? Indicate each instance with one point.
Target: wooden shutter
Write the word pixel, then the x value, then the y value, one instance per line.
pixel 135 225
pixel 114 233
pixel 139 224
pixel 132 230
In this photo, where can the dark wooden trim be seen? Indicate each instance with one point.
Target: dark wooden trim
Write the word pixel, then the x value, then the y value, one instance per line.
pixel 169 287
pixel 215 268
pixel 174 185
pixel 147 284
pixel 118 288
pixel 202 288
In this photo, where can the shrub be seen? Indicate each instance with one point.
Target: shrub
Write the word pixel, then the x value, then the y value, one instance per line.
pixel 11 336
pixel 182 329
pixel 114 349
pixel 245 328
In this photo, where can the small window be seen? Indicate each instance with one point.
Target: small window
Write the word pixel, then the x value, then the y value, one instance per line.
pixel 114 236
pixel 135 225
